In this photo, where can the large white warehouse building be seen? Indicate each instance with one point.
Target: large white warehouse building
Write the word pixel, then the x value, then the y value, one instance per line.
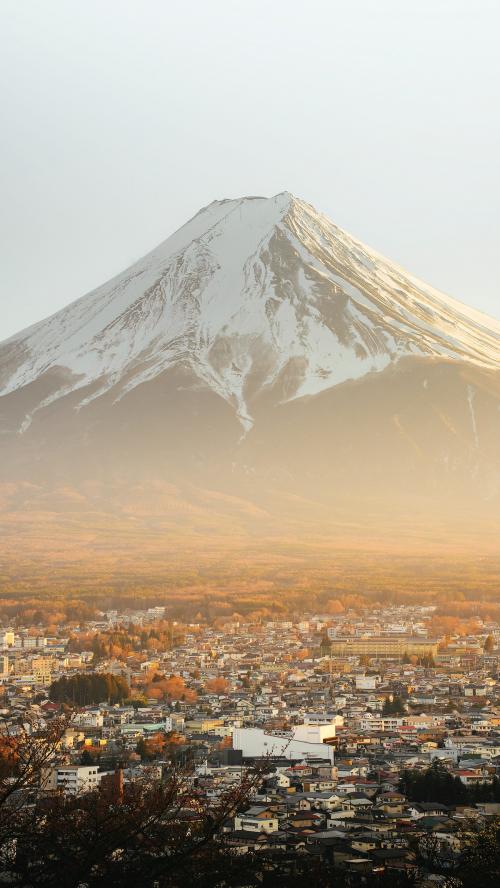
pixel 303 742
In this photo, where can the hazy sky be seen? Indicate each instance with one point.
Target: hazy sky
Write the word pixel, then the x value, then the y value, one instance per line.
pixel 121 118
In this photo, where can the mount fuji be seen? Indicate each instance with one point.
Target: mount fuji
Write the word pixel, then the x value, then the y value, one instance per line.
pixel 262 352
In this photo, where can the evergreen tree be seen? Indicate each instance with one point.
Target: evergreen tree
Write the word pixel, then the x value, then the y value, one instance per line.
pixel 489 644
pixel 84 689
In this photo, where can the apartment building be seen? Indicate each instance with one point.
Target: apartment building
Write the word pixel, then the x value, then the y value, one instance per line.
pixel 71 778
pixel 383 646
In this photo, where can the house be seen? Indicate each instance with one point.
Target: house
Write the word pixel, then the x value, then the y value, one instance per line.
pixel 257 819
pixel 471 778
pixel 356 802
pixel 427 809
pixel 89 719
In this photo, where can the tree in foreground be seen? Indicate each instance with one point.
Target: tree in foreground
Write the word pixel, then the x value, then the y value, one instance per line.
pixel 146 832
pixel 480 859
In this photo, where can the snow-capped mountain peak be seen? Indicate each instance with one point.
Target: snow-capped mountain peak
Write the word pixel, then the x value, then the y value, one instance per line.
pixel 251 295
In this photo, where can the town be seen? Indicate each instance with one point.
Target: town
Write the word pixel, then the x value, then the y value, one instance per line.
pixel 376 734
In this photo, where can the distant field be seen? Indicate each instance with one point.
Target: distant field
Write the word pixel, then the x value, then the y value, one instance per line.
pixel 115 557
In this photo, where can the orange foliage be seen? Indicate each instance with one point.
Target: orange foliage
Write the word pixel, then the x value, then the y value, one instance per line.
pixel 8 755
pixel 173 688
pixel 218 685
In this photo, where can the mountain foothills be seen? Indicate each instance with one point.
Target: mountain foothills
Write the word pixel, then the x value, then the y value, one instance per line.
pixel 261 366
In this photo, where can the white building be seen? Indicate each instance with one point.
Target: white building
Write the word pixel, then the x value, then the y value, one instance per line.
pixel 371 722
pixel 156 613
pixel 89 719
pixel 71 778
pixel 303 742
pixel 143 728
pixel 367 682
pixel 7 638
pixel 257 819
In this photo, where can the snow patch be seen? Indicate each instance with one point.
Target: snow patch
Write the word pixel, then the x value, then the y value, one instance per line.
pixel 470 398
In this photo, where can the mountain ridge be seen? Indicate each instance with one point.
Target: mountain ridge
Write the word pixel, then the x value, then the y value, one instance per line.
pixel 264 352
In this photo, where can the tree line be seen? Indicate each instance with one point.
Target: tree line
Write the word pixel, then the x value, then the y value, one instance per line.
pixel 436 784
pixel 85 688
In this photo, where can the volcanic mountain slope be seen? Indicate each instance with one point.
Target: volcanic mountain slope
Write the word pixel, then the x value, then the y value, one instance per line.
pixel 259 350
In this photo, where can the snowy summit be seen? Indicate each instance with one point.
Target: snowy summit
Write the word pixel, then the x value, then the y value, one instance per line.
pixel 251 294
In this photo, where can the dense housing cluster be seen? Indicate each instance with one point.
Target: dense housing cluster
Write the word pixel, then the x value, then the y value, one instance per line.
pixel 376 736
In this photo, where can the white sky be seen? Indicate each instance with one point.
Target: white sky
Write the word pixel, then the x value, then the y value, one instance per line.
pixel 120 119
